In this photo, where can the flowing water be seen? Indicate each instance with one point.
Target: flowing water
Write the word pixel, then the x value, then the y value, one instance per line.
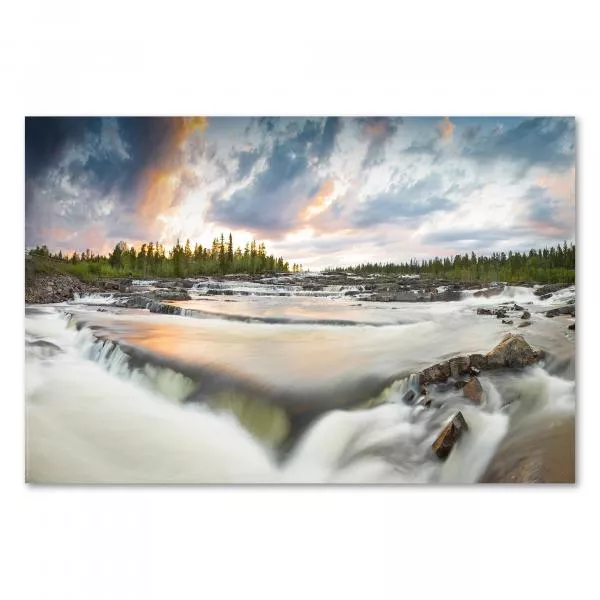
pixel 275 383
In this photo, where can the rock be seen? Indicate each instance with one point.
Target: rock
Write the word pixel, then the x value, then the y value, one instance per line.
pixel 501 315
pixel 447 296
pixel 437 373
pixel 484 311
pixel 548 289
pixel 525 324
pixel 171 295
pixel 545 296
pixel 409 396
pixel 459 365
pixel 165 309
pixel 448 437
pixel 563 310
pixel 138 302
pixel 460 384
pixel 526 315
pixel 506 322
pixel 572 326
pixel 478 362
pixel 539 451
pixel 495 291
pixel 473 390
pixel 517 307
pixel 512 351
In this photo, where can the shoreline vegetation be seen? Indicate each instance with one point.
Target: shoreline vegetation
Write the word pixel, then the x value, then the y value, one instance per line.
pixel 542 266
pixel 548 265
pixel 152 260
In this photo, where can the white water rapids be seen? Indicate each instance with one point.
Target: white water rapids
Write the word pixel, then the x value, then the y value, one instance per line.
pixel 272 388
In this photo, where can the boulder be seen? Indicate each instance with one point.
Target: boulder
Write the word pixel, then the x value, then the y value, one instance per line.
pixel 165 309
pixel 572 326
pixel 448 437
pixel 447 296
pixel 517 307
pixel 563 310
pixel 473 390
pixel 495 291
pixel 171 295
pixel 437 373
pixel 478 362
pixel 507 322
pixel 526 315
pixel 484 311
pixel 550 288
pixel 545 296
pixel 525 324
pixel 459 365
pixel 409 396
pixel 138 302
pixel 512 351
pixel 501 314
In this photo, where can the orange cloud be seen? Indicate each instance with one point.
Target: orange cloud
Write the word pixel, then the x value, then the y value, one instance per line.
pixel 320 202
pixel 560 186
pixel 445 128
pixel 164 181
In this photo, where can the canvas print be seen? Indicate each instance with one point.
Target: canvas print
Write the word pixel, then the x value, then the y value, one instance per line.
pixel 300 300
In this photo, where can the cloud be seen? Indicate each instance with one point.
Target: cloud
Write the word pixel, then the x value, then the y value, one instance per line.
pixel 377 131
pixel 275 197
pixel 409 200
pixel 445 128
pixel 547 141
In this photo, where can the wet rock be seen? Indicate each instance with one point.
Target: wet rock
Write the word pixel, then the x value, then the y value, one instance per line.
pixel 138 302
pixel 478 362
pixel 459 366
pixel 473 390
pixel 501 315
pixel 447 296
pixel 506 322
pixel 550 288
pixel 437 373
pixel 563 310
pixel 525 324
pixel 164 309
pixel 171 295
pixel 460 383
pixel 409 396
pixel 540 451
pixel 526 315
pixel 517 307
pixel 484 311
pixel 545 296
pixel 512 351
pixel 495 291
pixel 448 437
pixel 572 326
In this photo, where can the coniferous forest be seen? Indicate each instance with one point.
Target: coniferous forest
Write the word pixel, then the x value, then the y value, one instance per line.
pixel 151 260
pixel 550 265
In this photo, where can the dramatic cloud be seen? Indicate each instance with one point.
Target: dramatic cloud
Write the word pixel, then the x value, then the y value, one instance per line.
pixel 321 191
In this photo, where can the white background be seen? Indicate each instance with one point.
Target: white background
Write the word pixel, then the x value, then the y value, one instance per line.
pixel 257 58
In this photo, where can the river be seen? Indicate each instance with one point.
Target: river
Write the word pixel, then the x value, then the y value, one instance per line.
pixel 274 383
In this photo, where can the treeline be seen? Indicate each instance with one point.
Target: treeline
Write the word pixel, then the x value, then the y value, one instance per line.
pixel 151 260
pixel 550 265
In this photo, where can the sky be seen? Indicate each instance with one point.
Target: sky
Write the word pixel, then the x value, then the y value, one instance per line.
pixel 318 191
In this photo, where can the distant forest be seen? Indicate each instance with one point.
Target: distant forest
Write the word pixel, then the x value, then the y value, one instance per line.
pixel 151 260
pixel 550 265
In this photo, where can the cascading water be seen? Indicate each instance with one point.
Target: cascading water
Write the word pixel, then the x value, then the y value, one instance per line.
pixel 268 389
